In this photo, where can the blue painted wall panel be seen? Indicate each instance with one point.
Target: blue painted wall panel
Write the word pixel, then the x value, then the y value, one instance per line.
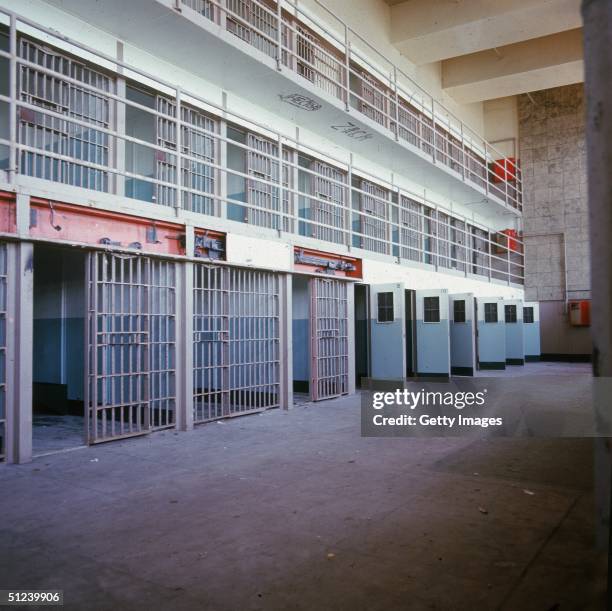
pixel 301 329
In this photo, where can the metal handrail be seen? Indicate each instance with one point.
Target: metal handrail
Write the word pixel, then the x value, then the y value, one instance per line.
pixel 284 210
pixel 462 132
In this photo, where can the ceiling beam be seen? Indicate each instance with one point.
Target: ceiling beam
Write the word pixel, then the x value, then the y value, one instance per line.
pixel 551 61
pixel 427 31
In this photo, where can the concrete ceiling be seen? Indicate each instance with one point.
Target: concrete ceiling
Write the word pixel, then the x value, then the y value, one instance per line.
pixel 491 48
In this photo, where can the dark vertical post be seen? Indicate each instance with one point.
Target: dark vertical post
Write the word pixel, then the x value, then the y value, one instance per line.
pixel 597 15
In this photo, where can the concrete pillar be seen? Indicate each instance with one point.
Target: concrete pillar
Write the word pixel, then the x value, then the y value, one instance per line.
pixel 597 15
pixel 184 346
pixel 286 341
pixel 351 336
pixel 19 333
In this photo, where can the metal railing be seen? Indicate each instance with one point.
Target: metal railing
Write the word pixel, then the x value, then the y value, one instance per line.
pixel 384 94
pixel 110 127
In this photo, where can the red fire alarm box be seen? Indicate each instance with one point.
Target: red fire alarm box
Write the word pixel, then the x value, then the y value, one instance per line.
pixel 507 240
pixel 504 169
pixel 580 313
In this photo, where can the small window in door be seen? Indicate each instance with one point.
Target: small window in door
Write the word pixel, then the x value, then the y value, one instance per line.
pixel 510 311
pixel 431 309
pixel 459 310
pixel 528 314
pixel 490 312
pixel 385 307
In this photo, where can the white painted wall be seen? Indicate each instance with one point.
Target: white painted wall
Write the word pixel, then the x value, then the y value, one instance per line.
pixel 377 272
pixel 501 123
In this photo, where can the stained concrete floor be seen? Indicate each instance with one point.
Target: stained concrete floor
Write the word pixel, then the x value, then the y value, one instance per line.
pixel 294 510
pixel 51 432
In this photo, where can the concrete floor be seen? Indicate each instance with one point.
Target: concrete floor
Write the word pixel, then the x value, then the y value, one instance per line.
pixel 51 433
pixel 294 510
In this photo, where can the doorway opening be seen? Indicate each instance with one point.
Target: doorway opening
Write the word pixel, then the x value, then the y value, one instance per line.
pixel 58 349
pixel 411 346
pixel 301 339
pixel 362 333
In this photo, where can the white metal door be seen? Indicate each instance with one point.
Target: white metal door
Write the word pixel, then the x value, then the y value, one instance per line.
pixel 130 344
pixel 388 331
pixel 328 338
pixel 433 333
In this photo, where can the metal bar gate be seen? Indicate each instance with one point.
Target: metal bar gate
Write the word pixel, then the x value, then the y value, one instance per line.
pixel 236 342
pixel 328 338
pixel 130 346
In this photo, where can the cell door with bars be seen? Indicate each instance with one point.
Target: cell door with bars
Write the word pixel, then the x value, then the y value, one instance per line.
pixel 131 328
pixel 236 343
pixel 328 338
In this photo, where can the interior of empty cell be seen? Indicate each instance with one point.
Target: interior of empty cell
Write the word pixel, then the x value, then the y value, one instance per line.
pixel 236 343
pixel 362 333
pixel 58 348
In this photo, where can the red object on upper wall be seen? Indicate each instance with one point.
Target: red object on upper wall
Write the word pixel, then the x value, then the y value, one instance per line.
pixel 504 169
pixel 508 240
pixel 580 313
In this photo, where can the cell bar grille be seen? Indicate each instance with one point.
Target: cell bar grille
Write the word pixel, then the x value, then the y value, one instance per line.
pixel 49 133
pixel 198 176
pixel 373 102
pixel 210 342
pixel 262 197
pixel 236 344
pixel 327 206
pixel 254 341
pixel 131 343
pixel 372 216
pixel 165 162
pixel 162 336
pixel 410 231
pixel 329 338
pixel 409 123
pixel 288 198
pixel 3 311
pixel 246 19
pixel 317 65
pixel 444 248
